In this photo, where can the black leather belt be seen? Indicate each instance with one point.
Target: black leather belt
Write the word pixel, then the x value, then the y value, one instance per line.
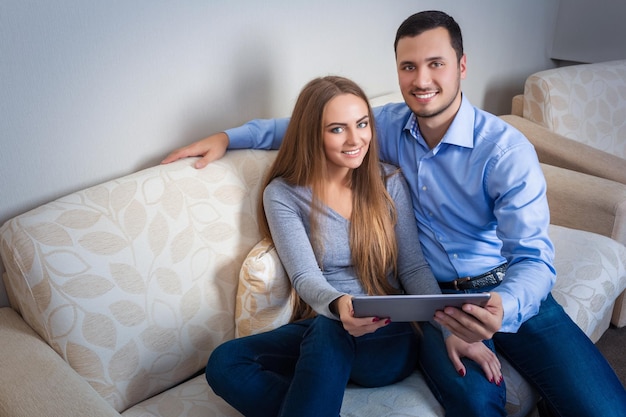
pixel 492 277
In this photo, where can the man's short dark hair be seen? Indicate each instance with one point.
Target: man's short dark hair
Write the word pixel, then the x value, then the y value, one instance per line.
pixel 431 19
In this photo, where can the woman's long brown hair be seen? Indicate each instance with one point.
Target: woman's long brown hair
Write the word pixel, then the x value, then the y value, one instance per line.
pixel 301 161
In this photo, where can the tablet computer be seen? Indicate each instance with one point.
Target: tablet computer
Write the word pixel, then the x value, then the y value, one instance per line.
pixel 412 307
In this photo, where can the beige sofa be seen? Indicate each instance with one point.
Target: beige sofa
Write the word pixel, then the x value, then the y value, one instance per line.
pixel 119 293
pixel 576 118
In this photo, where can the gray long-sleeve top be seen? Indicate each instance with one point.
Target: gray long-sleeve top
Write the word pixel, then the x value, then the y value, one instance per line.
pixel 288 210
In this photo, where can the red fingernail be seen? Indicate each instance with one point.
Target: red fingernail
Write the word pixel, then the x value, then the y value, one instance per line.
pixel 387 321
pixel 375 319
pixel 461 372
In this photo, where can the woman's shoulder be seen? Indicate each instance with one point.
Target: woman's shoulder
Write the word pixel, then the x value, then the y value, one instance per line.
pixel 279 188
pixel 391 173
pixel 389 169
pixel 277 182
pixel 394 179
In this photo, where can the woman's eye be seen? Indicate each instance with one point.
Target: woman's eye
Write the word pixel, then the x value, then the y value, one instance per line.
pixel 337 129
pixel 362 125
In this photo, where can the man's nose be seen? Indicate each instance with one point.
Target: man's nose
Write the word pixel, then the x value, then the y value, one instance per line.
pixel 421 78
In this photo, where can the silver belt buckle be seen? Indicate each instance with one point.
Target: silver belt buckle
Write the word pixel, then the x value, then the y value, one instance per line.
pixel 499 276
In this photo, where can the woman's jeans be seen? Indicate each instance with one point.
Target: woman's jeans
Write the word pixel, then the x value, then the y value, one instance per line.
pixel 302 369
pixel 550 351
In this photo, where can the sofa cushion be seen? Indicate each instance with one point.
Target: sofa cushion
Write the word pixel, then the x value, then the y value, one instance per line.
pixel 409 397
pixel 264 299
pixel 591 274
pixel 133 281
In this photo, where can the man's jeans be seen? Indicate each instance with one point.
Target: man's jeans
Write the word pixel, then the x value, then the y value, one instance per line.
pixel 302 369
pixel 550 351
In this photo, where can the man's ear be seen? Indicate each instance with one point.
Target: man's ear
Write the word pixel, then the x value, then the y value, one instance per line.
pixel 463 66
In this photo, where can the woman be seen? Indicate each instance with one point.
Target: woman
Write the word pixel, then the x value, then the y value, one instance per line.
pixel 342 225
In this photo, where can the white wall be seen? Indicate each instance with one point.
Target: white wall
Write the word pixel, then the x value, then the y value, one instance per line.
pixel 92 90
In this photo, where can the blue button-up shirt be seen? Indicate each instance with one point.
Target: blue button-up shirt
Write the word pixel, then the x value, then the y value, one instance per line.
pixel 479 198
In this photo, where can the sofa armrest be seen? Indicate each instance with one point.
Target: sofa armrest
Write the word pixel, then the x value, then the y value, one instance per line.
pixel 517 105
pixel 36 381
pixel 586 202
pixel 555 149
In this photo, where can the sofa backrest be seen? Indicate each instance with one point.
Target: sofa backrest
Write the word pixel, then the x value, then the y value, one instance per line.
pixel 133 281
pixel 584 102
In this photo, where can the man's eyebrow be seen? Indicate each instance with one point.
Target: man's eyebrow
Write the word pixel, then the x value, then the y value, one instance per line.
pixel 429 59
pixel 346 124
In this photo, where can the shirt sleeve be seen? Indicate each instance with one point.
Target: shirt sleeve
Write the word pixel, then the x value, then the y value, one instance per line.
pixel 518 189
pixel 265 133
pixel 285 220
pixel 258 134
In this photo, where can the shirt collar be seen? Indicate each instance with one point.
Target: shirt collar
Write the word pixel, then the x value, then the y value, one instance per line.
pixel 460 132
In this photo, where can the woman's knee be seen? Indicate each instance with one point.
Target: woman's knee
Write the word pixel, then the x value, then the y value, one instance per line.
pixel 217 365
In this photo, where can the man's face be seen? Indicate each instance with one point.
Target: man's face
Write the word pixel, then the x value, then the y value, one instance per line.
pixel 430 75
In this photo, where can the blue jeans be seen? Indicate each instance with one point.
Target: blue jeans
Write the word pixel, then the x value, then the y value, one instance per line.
pixel 552 353
pixel 470 395
pixel 302 369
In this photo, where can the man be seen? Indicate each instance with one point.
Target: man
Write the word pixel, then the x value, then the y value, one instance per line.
pixel 479 199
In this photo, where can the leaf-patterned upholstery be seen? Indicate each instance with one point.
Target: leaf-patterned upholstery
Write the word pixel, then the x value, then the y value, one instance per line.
pixel 586 103
pixel 133 281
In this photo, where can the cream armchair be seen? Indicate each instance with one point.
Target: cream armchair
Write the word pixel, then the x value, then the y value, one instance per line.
pixel 585 103
pixel 575 116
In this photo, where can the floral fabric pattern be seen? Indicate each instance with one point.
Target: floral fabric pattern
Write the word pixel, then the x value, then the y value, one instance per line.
pixel 585 102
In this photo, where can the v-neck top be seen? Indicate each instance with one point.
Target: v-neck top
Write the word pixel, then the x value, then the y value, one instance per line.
pixel 288 211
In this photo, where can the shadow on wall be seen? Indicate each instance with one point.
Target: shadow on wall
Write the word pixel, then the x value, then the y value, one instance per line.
pixel 4 301
pixel 246 97
pixel 499 94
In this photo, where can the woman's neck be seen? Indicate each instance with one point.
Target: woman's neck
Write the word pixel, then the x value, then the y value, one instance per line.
pixel 338 194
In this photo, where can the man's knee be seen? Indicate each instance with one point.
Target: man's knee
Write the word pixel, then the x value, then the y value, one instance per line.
pixel 469 395
pixel 476 400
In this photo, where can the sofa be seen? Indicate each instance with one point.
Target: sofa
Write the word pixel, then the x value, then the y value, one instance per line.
pixel 119 292
pixel 575 116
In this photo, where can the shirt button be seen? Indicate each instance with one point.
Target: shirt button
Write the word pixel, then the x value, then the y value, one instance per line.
pixel 424 188
pixel 455 256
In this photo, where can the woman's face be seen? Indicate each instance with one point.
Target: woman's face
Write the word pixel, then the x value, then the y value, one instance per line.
pixel 347 133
